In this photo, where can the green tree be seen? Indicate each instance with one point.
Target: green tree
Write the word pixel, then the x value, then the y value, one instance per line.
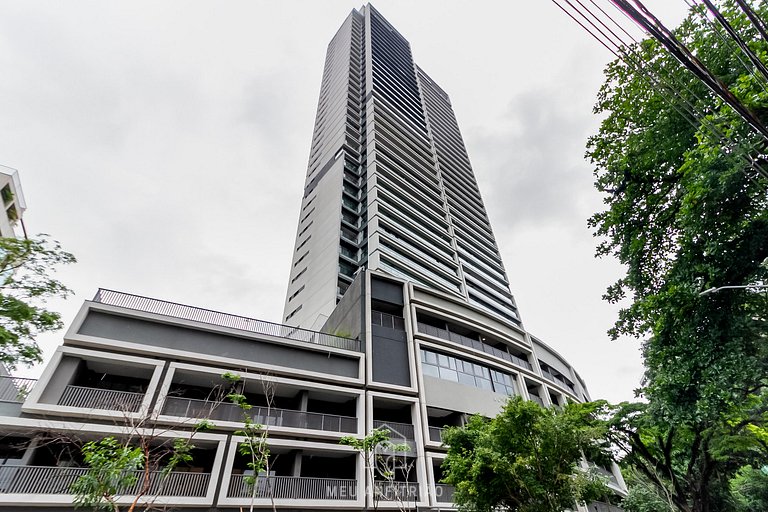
pixel 642 495
pixel 382 464
pixel 686 211
pixel 115 467
pixel 750 489
pixel 26 267
pixel 527 459
pixel 255 445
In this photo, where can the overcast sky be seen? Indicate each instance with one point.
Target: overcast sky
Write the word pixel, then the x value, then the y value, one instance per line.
pixel 165 145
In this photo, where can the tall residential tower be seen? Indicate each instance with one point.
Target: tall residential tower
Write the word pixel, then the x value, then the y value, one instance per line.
pixel 405 322
pixel 389 185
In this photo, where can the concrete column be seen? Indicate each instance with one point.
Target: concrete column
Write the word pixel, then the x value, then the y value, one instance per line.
pixel 297 463
pixel 303 400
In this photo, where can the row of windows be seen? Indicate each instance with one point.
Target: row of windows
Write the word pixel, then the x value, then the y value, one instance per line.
pixel 464 372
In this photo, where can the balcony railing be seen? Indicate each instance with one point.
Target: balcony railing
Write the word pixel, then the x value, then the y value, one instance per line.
pixel 444 493
pixel 225 411
pixel 207 316
pixel 34 480
pixel 447 335
pixel 397 491
pixel 397 430
pixel 436 434
pixel 293 487
pixel 387 320
pixel 560 380
pixel 15 389
pixel 537 399
pixel 94 398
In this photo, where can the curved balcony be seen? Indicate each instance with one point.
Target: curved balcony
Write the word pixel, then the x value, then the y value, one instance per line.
pixel 444 334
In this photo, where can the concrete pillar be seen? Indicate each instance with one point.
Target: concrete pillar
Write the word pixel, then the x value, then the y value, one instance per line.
pixel 297 463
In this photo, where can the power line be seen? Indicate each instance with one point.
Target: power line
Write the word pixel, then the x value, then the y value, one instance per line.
pixel 623 47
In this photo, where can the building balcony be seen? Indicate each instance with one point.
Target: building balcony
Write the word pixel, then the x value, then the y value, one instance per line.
pixel 447 335
pixel 95 398
pixel 15 389
pixel 558 379
pixel 37 480
pixel 537 399
pixel 436 434
pixel 397 491
pixel 444 493
pixel 225 411
pixel 293 488
pixel 219 319
pixel 397 430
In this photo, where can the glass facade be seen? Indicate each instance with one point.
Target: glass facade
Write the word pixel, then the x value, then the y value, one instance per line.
pixel 466 372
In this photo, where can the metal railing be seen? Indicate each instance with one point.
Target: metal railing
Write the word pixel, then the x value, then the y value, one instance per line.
pixel 225 411
pixel 560 380
pixel 447 335
pixel 444 493
pixel 15 389
pixel 94 398
pixel 58 480
pixel 293 487
pixel 387 320
pixel 436 434
pixel 537 399
pixel 217 318
pixel 397 491
pixel 397 430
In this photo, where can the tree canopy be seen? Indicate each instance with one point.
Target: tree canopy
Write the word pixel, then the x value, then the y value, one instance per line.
pixel 526 459
pixel 686 198
pixel 26 282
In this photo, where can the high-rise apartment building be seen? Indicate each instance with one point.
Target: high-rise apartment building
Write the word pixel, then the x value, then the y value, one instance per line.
pixel 12 203
pixel 399 317
pixel 389 185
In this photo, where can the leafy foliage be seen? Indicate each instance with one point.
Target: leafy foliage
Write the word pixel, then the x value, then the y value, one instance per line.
pixel 526 459
pixel 112 467
pixel 26 266
pixel 750 489
pixel 381 460
pixel 255 446
pixel 115 467
pixel 643 496
pixel 685 212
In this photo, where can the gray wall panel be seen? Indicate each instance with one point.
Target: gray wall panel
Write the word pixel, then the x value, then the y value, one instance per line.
pixel 201 342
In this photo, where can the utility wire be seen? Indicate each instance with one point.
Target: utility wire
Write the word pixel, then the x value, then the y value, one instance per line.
pixel 645 18
pixel 624 50
pixel 729 42
pixel 737 38
pixel 754 18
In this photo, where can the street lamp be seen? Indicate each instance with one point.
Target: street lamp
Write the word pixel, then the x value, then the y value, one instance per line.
pixel 714 289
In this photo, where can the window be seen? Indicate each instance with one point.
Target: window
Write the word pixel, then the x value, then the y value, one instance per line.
pixel 298 275
pixel 293 313
pixel 465 372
